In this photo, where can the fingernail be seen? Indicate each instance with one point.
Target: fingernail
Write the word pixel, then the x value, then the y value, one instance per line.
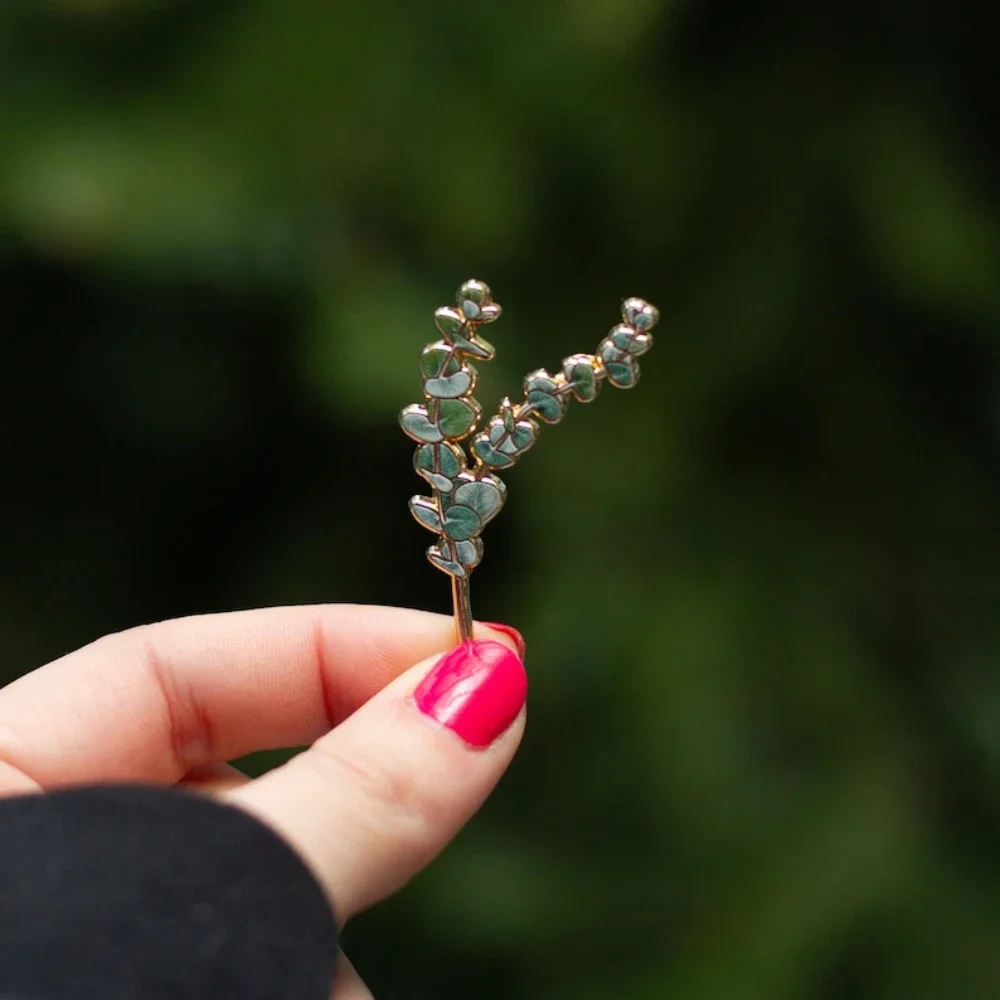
pixel 476 690
pixel 511 633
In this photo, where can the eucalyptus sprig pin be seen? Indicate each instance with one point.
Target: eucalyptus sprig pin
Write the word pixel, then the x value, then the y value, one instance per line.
pixel 466 497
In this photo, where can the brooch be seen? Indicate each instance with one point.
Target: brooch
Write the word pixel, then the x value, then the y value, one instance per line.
pixel 466 493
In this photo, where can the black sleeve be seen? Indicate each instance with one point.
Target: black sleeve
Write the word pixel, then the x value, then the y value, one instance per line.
pixel 129 892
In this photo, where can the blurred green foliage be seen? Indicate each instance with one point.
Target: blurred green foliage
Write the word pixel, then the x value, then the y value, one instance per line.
pixel 760 593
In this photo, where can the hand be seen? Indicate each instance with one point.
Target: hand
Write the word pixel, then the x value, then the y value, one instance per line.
pixel 401 755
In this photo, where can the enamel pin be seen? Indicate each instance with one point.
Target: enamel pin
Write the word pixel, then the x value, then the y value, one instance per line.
pixel 465 497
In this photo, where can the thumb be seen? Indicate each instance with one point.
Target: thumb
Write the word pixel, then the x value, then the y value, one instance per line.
pixel 373 801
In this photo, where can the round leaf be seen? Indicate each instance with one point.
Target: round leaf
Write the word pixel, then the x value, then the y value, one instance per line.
pixel 510 440
pixel 523 435
pixel 446 565
pixel 483 496
pixel 622 336
pixel 640 314
pixel 549 407
pixel 439 359
pixel 489 455
pixel 449 321
pixel 436 458
pixel 477 293
pixel 416 422
pixel 469 343
pixel 469 552
pixel 621 374
pixel 426 512
pixel 439 464
pixel 580 374
pixel 449 387
pixel 461 522
pixel 641 343
pixel 445 376
pixel 609 351
pixel 456 417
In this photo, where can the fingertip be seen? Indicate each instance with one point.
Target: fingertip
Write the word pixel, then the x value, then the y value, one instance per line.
pixel 477 691
pixel 506 634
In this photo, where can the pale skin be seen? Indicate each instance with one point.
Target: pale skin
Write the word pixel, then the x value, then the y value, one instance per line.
pixel 381 790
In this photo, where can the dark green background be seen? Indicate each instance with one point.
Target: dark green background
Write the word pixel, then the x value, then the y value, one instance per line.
pixel 760 592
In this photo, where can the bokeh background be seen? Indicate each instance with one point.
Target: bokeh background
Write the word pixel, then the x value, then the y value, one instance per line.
pixel 760 592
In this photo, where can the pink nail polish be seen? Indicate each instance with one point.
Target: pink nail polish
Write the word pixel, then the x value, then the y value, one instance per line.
pixel 476 690
pixel 511 632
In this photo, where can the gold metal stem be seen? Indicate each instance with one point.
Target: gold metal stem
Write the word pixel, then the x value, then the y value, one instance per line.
pixel 463 607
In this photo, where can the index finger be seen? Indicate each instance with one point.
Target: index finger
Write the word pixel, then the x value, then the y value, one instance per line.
pixel 154 702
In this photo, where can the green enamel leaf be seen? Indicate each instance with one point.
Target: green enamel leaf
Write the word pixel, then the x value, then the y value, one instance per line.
pixel 484 496
pixel 461 522
pixel 502 439
pixel 476 303
pixel 448 459
pixel 641 343
pixel 509 436
pixel 622 337
pixel 489 455
pixel 445 377
pixel 449 321
pixel 621 374
pixel 476 293
pixel 523 435
pixel 609 352
pixel 469 343
pixel 439 359
pixel 506 416
pixel 441 483
pixel 456 417
pixel 469 552
pixel 439 464
pixel 580 375
pixel 542 394
pixel 416 422
pixel 423 458
pixel 547 406
pixel 449 387
pixel 540 380
pixel 640 314
pixel 634 342
pixel 451 461
pixel 446 565
pixel 425 511
pixel 624 343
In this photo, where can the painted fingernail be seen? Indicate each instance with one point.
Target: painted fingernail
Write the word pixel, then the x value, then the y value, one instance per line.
pixel 476 690
pixel 511 633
